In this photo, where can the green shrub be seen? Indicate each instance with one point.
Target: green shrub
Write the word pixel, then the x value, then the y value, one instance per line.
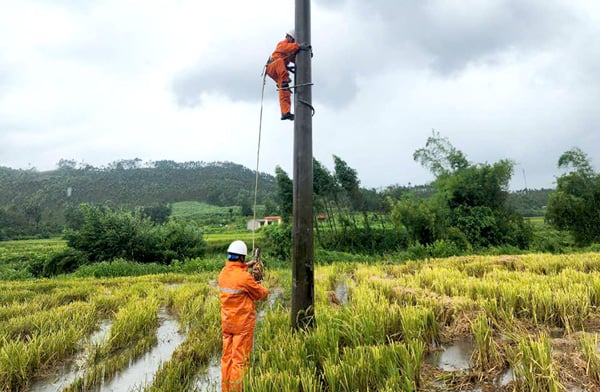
pixel 278 241
pixel 364 240
pixel 443 248
pixel 64 262
pixel 106 235
pixel 197 264
pixel 549 239
pixel 180 240
pixel 120 267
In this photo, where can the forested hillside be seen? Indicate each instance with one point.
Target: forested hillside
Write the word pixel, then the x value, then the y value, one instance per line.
pixel 33 201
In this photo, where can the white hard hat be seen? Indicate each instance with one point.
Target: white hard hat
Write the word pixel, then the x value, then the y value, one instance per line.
pixel 238 247
pixel 292 33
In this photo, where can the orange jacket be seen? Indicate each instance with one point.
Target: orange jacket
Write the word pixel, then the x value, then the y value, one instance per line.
pixel 286 50
pixel 239 291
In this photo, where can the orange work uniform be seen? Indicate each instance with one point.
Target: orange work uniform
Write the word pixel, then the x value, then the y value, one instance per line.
pixel 239 291
pixel 277 70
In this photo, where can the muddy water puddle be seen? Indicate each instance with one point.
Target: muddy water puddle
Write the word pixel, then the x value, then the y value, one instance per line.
pixel 275 295
pixel 453 357
pixel 341 292
pixel 141 372
pixel 210 380
pixel 456 357
pixel 137 375
pixel 75 368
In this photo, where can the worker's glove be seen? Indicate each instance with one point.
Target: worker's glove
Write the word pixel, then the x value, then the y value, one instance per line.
pixel 304 46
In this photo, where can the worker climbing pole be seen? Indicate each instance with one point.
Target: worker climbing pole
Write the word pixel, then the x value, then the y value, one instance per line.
pixel 302 227
pixel 278 68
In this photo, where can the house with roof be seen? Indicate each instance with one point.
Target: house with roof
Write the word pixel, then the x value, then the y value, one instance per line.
pixel 254 224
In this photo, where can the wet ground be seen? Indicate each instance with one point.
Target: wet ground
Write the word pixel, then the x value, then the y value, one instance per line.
pixel 341 292
pixel 139 373
pixel 210 381
pixel 455 358
pixel 452 357
pixel 73 369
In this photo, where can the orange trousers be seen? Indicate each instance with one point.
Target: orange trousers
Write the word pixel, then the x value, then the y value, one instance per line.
pixel 279 73
pixel 236 350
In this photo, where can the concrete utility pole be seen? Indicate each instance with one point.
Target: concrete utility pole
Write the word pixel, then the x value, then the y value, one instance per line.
pixel 302 229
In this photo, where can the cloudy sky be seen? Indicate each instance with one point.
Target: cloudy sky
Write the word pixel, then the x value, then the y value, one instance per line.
pixel 103 80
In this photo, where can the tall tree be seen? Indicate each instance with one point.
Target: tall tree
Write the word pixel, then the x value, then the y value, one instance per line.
pixel 325 192
pixel 347 179
pixel 472 197
pixel 575 205
pixel 440 156
pixel 285 191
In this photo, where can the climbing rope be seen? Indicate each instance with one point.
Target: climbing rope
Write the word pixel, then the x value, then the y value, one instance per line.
pixel 262 96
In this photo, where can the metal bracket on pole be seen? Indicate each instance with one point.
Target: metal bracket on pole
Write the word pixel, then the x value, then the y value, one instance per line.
pixel 294 86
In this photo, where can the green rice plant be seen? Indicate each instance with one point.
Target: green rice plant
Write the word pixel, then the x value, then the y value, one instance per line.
pixel 107 304
pixel 542 305
pixel 18 309
pixel 487 356
pixel 376 367
pixel 310 380
pixel 532 365
pixel 419 323
pixel 79 314
pixel 283 355
pixel 17 363
pixel 10 294
pixel 20 360
pixel 189 302
pixel 136 320
pixel 573 306
pixel 101 372
pixel 322 342
pixel 272 381
pixel 589 347
pixel 364 320
pixel 201 345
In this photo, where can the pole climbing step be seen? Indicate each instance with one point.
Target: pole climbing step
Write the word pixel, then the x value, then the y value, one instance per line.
pixel 294 86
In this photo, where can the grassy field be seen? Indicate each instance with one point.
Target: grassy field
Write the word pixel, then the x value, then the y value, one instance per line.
pixel 512 323
pixel 536 221
pixel 17 257
pixel 191 209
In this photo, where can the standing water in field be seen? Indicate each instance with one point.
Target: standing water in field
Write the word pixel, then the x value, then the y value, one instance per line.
pixel 210 381
pixel 275 295
pixel 453 357
pixel 341 291
pixel 72 369
pixel 141 372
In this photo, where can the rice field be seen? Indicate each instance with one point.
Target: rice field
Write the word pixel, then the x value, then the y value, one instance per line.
pixel 475 323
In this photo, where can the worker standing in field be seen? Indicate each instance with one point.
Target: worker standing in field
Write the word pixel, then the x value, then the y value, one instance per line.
pixel 239 292
pixel 277 69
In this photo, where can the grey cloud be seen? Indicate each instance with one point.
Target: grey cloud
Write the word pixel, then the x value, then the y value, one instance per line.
pixel 453 37
pixel 384 36
pixel 233 82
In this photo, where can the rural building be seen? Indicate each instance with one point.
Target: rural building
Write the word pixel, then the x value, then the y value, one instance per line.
pixel 254 224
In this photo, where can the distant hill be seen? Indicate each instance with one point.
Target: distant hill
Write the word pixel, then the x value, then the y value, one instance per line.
pixel 34 203
pixel 30 197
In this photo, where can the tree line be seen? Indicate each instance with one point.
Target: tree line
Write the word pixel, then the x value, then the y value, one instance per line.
pixel 466 208
pixel 42 204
